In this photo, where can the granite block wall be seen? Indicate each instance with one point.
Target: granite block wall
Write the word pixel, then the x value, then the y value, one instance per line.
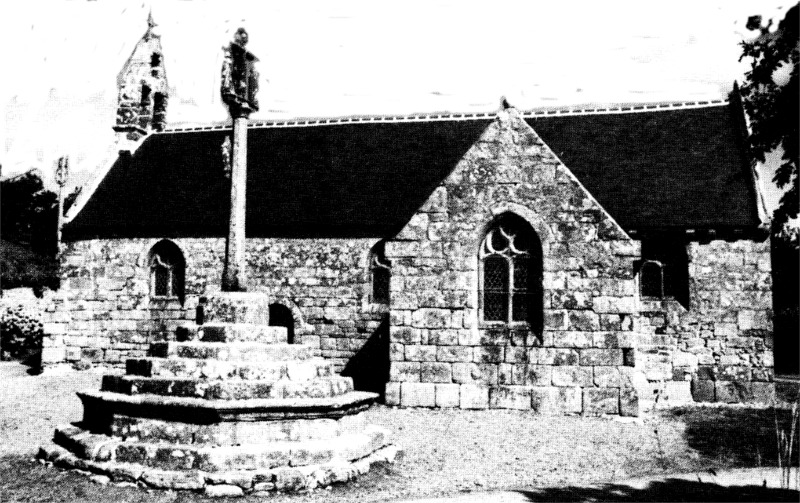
pixel 720 349
pixel 445 355
pixel 104 312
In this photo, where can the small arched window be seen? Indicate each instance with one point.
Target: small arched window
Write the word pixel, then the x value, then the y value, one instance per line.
pixel 381 274
pixel 511 273
pixel 167 271
pixel 664 269
pixel 652 279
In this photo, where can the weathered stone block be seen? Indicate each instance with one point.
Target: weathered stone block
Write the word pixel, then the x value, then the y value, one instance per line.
pixel 572 339
pixel 555 320
pixel 583 321
pixel 405 372
pixel 420 353
pixel 606 377
pixel 54 354
pixel 437 372
pixel 417 395
pixel 72 354
pixel 763 392
pixel 473 396
pixel 510 397
pixel 392 394
pixel 440 337
pixel 733 373
pixel 447 395
pixel 725 330
pixel 733 391
pixel 531 375
pixel 569 376
pixel 223 491
pixel 431 318
pixel 598 401
pixel 488 354
pixel 404 335
pixel 92 354
pixel 454 354
pixel 628 402
pixel 549 400
pixel 593 357
pixel 555 356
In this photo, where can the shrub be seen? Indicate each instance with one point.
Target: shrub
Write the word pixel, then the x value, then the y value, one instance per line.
pixel 20 331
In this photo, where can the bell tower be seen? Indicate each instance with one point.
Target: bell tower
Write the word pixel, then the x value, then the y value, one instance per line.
pixel 142 90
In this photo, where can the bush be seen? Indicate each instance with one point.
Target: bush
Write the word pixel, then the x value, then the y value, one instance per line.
pixel 20 331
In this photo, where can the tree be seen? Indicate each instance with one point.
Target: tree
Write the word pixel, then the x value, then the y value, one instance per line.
pixel 772 104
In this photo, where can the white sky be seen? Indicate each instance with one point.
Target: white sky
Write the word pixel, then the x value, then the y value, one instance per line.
pixel 323 58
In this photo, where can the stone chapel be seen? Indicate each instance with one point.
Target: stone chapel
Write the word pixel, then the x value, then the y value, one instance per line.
pixel 566 261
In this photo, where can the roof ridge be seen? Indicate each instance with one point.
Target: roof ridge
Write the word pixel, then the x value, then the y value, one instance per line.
pixel 447 116
pixel 626 108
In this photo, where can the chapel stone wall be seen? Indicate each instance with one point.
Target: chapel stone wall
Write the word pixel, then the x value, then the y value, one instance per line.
pixel 720 349
pixel 104 312
pixel 444 355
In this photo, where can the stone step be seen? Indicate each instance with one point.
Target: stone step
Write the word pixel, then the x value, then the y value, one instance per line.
pixel 231 332
pixel 234 389
pixel 231 351
pixel 233 432
pixel 100 407
pixel 280 479
pixel 299 370
pixel 166 456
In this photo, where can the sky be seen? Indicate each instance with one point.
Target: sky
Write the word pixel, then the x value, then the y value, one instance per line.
pixel 355 57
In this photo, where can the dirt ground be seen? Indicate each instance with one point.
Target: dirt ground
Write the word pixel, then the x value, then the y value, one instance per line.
pixel 446 452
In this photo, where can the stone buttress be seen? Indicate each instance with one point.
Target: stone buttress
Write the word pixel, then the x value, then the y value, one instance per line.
pixel 229 407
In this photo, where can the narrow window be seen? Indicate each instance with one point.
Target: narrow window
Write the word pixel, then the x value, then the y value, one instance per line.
pixel 167 270
pixel 381 274
pixel 664 269
pixel 652 279
pixel 511 273
pixel 145 100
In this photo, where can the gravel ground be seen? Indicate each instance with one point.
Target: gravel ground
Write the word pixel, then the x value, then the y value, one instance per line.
pixel 445 451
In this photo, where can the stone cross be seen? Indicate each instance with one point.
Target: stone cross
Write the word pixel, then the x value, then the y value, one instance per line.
pixel 239 85
pixel 61 176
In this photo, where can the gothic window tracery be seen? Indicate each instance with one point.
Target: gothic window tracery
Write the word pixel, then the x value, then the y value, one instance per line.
pixel 510 259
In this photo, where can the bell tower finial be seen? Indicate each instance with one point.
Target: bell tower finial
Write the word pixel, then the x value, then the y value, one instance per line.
pixel 142 88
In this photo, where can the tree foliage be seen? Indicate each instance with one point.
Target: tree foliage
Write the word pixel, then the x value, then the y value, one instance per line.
pixel 772 104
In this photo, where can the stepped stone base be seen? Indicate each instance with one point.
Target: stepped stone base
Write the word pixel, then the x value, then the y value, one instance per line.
pixel 228 408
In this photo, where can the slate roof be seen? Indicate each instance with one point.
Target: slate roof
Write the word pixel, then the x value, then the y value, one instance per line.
pixel 682 168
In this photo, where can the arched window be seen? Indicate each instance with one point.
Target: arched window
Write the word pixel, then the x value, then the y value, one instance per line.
pixel 652 279
pixel 664 268
pixel 511 273
pixel 167 271
pixel 281 316
pixel 381 274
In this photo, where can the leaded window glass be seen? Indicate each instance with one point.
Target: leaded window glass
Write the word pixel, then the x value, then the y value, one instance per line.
pixel 511 273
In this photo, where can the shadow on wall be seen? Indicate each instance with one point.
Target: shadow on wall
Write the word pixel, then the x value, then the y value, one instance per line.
pixel 369 368
pixel 663 490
